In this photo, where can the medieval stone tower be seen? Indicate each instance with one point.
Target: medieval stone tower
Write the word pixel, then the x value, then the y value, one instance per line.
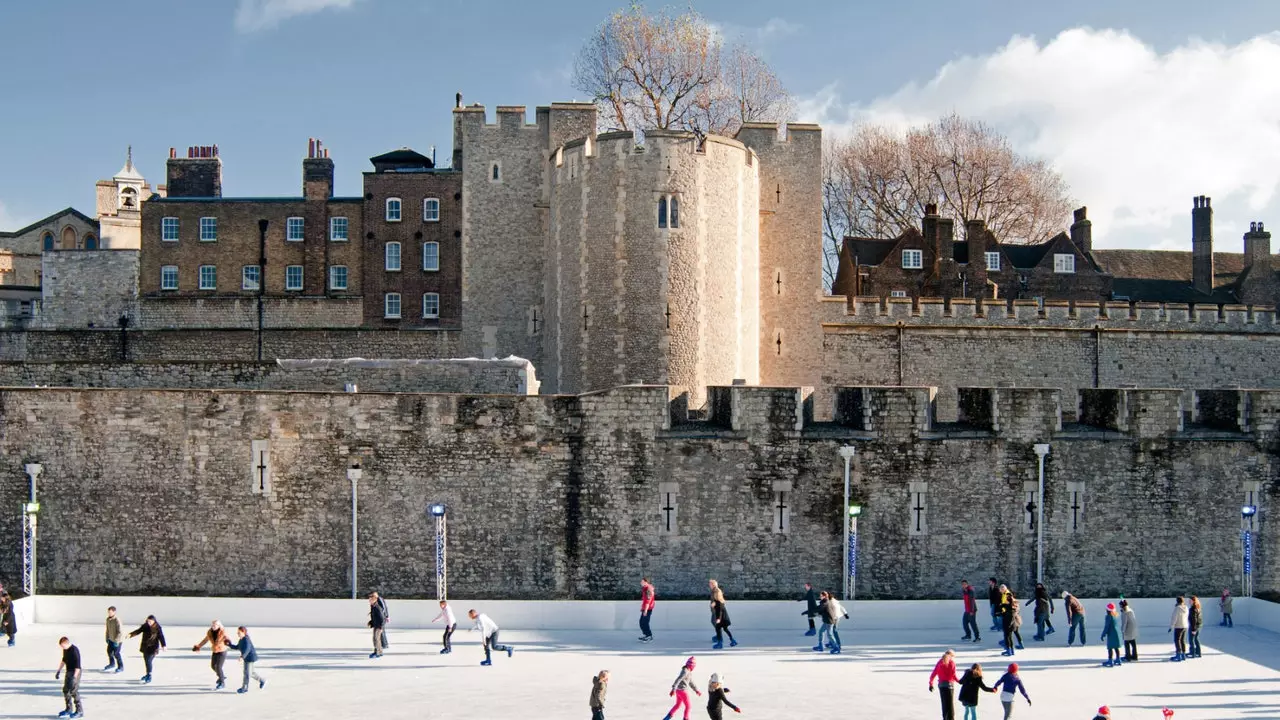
pixel 608 260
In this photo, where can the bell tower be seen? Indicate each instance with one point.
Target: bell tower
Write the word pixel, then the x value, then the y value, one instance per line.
pixel 120 207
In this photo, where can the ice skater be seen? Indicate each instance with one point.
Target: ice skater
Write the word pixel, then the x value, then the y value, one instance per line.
pixel 945 673
pixel 1178 626
pixel 1104 713
pixel 969 621
pixel 450 624
pixel 648 598
pixel 71 686
pixel 720 619
pixel 837 614
pixel 1075 618
pixel 217 640
pixel 1043 610
pixel 810 600
pixel 1009 685
pixel 115 639
pixel 1195 621
pixel 599 688
pixel 152 643
pixel 1129 629
pixel 489 632
pixel 8 617
pixel 377 623
pixel 248 657
pixel 993 598
pixel 825 641
pixel 681 687
pixel 1224 607
pixel 1008 606
pixel 717 698
pixel 386 619
pixel 1111 636
pixel 970 684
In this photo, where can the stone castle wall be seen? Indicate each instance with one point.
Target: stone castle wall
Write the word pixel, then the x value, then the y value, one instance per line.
pixel 154 491
pixel 88 288
pixel 1071 346
pixel 503 377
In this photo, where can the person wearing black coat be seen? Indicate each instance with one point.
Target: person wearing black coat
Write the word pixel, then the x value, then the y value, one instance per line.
pixel 1043 609
pixel 970 684
pixel 377 621
pixel 9 619
pixel 720 619
pixel 993 597
pixel 810 600
pixel 152 643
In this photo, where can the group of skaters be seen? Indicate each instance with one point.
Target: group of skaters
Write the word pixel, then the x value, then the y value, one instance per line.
pixel 1119 630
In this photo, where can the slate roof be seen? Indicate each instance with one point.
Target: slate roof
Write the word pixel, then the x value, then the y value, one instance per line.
pixel 1165 275
pixel 42 221
pixel 403 158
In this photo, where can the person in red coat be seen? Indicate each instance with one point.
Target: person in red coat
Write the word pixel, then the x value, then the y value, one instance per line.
pixel 648 598
pixel 945 673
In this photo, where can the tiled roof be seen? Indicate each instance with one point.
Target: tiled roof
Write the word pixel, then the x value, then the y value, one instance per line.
pixel 1165 275
pixel 55 216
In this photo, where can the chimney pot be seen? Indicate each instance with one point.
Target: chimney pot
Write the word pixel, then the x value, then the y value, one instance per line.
pixel 931 209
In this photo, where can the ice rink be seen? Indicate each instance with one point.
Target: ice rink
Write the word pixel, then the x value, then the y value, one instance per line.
pixel 882 674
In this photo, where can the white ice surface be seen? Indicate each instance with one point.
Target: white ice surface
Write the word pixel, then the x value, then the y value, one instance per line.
pixel 882 674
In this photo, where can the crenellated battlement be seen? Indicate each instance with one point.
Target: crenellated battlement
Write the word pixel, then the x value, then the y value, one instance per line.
pixel 968 312
pixel 653 142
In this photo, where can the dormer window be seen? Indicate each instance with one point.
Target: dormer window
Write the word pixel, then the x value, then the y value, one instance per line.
pixel 912 259
pixel 993 261
pixel 1064 263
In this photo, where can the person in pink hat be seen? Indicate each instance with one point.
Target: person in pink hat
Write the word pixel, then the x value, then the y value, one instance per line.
pixel 1111 636
pixel 681 687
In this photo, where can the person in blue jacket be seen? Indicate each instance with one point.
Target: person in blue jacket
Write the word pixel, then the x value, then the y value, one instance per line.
pixel 1009 685
pixel 1111 636
pixel 248 656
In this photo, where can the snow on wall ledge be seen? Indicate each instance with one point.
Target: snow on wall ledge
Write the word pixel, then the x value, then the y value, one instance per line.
pixel 509 375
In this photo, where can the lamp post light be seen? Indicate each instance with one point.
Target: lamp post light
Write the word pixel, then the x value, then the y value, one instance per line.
pixel 30 511
pixel 354 473
pixel 1247 513
pixel 440 513
pixel 848 452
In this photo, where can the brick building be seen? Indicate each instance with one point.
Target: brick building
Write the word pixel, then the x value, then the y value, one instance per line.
pixel 206 259
pixel 930 262
pixel 413 239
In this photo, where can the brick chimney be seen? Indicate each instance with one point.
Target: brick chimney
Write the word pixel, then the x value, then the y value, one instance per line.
pixel 1257 247
pixel 1202 245
pixel 975 232
pixel 1082 230
pixel 199 174
pixel 317 172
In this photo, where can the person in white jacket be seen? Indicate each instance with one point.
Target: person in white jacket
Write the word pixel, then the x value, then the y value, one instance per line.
pixel 837 614
pixel 450 624
pixel 1129 631
pixel 1178 626
pixel 489 632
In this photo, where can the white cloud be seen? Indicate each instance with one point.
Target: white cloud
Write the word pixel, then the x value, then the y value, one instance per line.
pixel 255 15
pixel 773 29
pixel 1135 132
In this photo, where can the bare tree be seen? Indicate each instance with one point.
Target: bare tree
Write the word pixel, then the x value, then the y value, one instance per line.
pixel 671 71
pixel 877 183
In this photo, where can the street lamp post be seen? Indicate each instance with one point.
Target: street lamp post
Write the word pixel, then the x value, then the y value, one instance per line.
pixel 1042 449
pixel 847 452
pixel 440 513
pixel 30 510
pixel 353 474
pixel 1247 513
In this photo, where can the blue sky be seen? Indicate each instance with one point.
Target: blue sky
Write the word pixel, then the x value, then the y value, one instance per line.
pixel 1140 104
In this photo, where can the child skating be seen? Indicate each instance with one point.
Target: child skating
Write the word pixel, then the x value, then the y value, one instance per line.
pixel 1009 685
pixel 450 624
pixel 599 689
pixel 717 698
pixel 681 687
pixel 1111 636
pixel 248 656
pixel 970 684
pixel 489 632
pixel 152 643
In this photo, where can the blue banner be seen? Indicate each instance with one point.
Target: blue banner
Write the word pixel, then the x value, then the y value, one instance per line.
pixel 1248 552
pixel 853 556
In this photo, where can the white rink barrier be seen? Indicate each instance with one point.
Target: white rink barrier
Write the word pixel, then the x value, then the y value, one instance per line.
pixel 594 615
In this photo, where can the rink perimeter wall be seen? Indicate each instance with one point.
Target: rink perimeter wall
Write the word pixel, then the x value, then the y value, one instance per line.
pixel 586 615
